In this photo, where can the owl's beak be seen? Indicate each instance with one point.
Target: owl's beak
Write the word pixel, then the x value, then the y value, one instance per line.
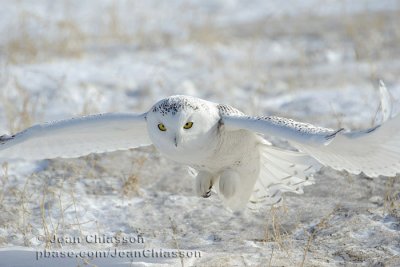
pixel 177 139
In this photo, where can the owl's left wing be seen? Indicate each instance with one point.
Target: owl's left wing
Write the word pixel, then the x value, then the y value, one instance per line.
pixel 375 151
pixel 77 137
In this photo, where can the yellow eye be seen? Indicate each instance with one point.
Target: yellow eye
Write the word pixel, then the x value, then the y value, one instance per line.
pixel 188 125
pixel 162 127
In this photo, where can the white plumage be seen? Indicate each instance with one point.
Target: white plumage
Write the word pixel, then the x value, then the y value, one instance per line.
pixel 77 137
pixel 223 145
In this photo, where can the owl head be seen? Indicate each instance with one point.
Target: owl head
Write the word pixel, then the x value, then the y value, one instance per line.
pixel 182 124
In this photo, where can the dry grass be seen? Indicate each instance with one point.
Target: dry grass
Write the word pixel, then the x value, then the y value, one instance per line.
pixel 364 32
pixel 46 198
pixel 274 231
pixel 207 34
pixel 3 180
pixel 25 226
pixel 20 109
pixel 131 186
pixel 53 207
pixel 131 182
pixel 392 197
pixel 322 224
pixel 175 231
pixel 18 211
pixel 69 39
pixel 27 47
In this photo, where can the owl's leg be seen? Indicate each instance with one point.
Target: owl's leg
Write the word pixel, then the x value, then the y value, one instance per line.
pixel 204 183
pixel 228 183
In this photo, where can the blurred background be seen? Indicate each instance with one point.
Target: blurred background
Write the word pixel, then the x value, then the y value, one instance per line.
pixel 317 61
pixel 59 58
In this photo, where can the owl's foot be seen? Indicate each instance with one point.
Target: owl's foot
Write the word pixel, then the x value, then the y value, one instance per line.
pixel 208 193
pixel 204 183
pixel 228 183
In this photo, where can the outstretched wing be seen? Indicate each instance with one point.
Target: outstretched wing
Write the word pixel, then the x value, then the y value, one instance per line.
pixel 375 151
pixel 281 127
pixel 77 137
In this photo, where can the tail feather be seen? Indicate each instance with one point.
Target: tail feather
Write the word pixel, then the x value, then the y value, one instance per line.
pixel 281 171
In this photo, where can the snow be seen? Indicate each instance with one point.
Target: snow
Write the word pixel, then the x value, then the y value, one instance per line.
pixel 314 61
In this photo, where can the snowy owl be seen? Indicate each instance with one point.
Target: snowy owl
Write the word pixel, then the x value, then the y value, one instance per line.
pixel 225 147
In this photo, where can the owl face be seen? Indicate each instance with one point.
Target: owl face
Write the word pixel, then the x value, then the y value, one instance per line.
pixel 181 127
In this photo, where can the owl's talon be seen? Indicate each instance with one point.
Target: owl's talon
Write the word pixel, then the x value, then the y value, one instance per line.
pixel 203 184
pixel 207 194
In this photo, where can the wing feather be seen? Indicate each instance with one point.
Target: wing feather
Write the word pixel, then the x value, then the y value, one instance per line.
pixel 281 171
pixel 77 137
pixel 281 127
pixel 375 151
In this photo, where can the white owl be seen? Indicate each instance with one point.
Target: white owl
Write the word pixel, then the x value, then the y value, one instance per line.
pixel 223 145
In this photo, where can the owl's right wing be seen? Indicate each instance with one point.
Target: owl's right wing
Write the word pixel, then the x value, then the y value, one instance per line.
pixel 77 137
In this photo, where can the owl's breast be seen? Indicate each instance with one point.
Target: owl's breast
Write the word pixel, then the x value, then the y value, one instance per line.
pixel 229 150
pixel 235 148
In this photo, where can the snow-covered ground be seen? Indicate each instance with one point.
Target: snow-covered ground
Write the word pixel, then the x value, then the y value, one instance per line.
pixel 314 61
